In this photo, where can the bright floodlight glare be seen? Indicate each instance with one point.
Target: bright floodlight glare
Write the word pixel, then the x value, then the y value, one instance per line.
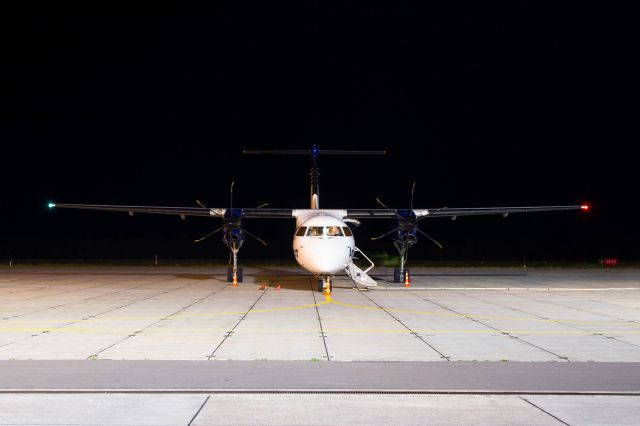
pixel 51 205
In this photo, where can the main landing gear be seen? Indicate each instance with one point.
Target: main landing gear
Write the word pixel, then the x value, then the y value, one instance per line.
pixel 400 276
pixel 324 284
pixel 234 272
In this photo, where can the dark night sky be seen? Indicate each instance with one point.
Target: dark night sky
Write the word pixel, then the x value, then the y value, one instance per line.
pixel 517 103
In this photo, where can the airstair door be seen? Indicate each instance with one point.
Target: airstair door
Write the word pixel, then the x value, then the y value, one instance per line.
pixel 359 276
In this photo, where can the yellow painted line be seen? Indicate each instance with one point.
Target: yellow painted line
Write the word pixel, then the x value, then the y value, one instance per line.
pixel 327 301
pixel 473 316
pixel 179 316
pixel 258 311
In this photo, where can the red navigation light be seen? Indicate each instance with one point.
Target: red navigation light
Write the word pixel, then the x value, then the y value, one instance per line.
pixel 585 207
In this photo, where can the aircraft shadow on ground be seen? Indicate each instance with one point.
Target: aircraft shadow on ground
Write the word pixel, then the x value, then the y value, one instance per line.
pixel 199 277
pixel 293 280
pixel 288 280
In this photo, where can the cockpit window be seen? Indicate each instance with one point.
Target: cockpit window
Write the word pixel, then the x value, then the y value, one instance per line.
pixel 316 231
pixel 347 231
pixel 301 231
pixel 333 231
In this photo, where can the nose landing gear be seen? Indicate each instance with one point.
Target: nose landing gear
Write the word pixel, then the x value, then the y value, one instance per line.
pixel 325 284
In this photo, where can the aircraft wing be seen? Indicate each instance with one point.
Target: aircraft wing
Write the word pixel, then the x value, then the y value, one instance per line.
pixel 180 211
pixel 288 213
pixel 455 212
pixel 473 211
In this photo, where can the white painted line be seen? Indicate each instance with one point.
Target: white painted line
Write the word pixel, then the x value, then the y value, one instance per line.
pixel 318 391
pixel 511 288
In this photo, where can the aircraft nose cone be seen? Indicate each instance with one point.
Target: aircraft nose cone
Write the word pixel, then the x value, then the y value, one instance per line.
pixel 323 263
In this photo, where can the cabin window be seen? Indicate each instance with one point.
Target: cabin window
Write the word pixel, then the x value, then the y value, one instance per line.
pixel 301 231
pixel 347 231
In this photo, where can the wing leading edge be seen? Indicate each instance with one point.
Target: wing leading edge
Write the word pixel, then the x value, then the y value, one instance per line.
pixel 455 212
pixel 288 213
pixel 180 211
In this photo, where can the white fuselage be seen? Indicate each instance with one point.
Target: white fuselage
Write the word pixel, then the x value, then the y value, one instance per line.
pixel 322 244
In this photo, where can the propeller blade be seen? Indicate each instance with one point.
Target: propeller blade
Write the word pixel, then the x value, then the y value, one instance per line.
pixel 251 235
pixel 429 237
pixel 232 182
pixel 381 203
pixel 263 205
pixel 208 235
pixel 413 187
pixel 385 234
pixel 200 204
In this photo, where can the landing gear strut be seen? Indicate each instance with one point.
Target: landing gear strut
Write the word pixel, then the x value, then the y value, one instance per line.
pixel 400 274
pixel 324 284
pixel 234 272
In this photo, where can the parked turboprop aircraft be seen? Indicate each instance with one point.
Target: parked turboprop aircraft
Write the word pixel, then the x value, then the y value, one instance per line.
pixel 323 243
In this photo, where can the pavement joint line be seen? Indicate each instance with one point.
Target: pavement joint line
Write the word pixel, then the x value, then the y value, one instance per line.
pixel 575 308
pixel 62 292
pixel 286 308
pixel 76 302
pixel 473 316
pixel 161 319
pixel 50 295
pixel 519 339
pixel 322 333
pixel 544 411
pixel 80 320
pixel 199 409
pixel 224 339
pixel 559 305
pixel 421 338
pixel 348 305
pixel 318 391
pixel 563 306
pixel 609 303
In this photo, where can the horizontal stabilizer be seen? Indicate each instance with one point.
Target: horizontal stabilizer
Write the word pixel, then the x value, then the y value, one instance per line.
pixel 310 152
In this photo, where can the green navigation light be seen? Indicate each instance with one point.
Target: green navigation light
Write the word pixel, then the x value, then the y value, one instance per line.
pixel 51 205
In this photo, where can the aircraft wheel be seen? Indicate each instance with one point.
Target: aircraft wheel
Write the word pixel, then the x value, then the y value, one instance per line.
pixel 320 285
pixel 397 276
